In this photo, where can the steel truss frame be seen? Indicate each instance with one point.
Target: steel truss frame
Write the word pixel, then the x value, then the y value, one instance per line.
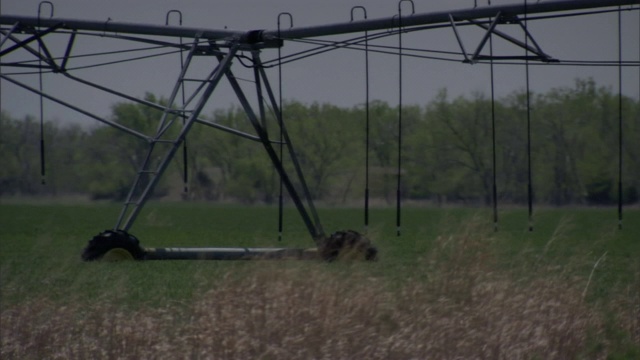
pixel 224 45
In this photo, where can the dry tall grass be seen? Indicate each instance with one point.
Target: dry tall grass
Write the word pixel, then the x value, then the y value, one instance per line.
pixel 457 305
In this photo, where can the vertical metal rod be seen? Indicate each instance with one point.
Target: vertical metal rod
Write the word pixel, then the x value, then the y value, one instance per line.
pixel 399 175
pixel 529 179
pixel 367 122
pixel 280 122
pixel 185 158
pixel 42 145
pixel 280 187
pixel 366 195
pixel 620 117
pixel 493 138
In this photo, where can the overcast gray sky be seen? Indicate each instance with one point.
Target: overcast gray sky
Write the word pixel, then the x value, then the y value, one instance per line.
pixel 336 77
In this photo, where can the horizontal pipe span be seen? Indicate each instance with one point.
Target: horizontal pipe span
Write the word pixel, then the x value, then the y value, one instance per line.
pixel 255 36
pixel 123 27
pixel 231 254
pixel 442 17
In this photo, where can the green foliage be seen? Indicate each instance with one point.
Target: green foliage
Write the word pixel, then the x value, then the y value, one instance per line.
pixel 447 152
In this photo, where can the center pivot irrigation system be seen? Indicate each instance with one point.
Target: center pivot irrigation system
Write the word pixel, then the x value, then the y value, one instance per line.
pixel 183 108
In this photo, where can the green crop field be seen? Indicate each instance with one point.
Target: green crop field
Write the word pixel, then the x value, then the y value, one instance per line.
pixel 449 287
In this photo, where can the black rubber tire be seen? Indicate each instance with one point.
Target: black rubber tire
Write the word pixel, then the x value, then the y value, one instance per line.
pixel 109 240
pixel 348 245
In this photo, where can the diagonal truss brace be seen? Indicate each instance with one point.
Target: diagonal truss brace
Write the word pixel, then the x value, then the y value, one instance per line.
pixel 11 31
pixel 147 178
pixel 491 29
pixel 315 229
pixel 23 44
pixel 537 51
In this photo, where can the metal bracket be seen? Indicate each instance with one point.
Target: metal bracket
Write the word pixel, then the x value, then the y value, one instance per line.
pixel 486 36
pixel 539 54
pixel 491 29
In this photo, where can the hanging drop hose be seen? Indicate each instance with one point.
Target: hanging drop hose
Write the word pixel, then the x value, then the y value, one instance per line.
pixel 493 137
pixel 399 184
pixel 185 152
pixel 367 122
pixel 366 188
pixel 280 123
pixel 280 198
pixel 42 145
pixel 620 117
pixel 529 180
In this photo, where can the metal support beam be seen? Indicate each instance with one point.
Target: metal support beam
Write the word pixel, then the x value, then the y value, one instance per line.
pixel 239 253
pixel 29 22
pixel 67 52
pixel 287 141
pixel 455 32
pixel 212 82
pixel 6 37
pixel 315 229
pixel 486 36
pixel 23 44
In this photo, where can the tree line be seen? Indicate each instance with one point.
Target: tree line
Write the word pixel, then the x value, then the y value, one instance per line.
pixel 447 152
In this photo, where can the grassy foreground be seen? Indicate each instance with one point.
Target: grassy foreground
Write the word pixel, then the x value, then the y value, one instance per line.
pixel 448 288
